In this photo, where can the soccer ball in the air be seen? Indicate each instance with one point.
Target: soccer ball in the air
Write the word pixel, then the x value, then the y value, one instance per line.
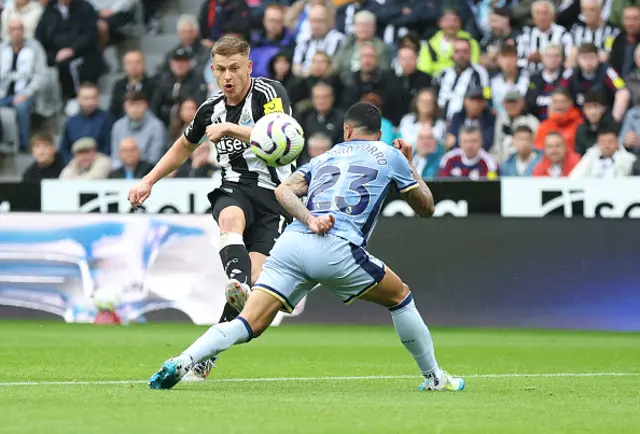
pixel 277 139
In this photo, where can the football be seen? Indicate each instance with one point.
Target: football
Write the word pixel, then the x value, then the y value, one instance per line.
pixel 277 139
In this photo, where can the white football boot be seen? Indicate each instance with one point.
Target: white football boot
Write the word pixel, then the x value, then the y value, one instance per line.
pixel 442 381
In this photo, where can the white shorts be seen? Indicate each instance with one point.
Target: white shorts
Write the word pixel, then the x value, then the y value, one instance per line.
pixel 299 261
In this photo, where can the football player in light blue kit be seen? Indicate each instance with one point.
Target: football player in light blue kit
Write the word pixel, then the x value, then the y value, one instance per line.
pixel 345 188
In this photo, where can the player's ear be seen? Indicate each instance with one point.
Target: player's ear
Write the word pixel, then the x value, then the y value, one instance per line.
pixel 347 130
pixel 250 68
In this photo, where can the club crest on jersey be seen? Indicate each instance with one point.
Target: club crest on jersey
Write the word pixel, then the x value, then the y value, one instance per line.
pixel 231 145
pixel 245 118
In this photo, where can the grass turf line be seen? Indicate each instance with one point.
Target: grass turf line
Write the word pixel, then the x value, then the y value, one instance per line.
pixel 59 352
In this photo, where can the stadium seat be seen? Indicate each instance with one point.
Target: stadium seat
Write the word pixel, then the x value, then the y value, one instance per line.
pixel 9 129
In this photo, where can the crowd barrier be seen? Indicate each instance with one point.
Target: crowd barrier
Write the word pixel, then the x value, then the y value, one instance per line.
pixel 539 253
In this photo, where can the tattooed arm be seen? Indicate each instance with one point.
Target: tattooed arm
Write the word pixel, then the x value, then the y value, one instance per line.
pixel 289 193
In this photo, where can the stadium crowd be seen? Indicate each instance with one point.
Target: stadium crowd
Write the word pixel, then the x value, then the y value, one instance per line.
pixel 481 88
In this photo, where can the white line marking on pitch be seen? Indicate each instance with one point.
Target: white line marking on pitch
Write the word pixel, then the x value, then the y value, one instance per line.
pixel 366 377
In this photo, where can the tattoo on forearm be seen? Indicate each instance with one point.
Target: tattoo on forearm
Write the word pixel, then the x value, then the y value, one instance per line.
pixel 289 195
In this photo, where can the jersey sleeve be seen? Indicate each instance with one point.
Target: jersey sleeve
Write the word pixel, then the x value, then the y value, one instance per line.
pixel 401 173
pixel 305 170
pixel 196 130
pixel 272 98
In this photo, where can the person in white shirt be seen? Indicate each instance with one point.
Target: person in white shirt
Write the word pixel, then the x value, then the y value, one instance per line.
pixel 29 13
pixel 605 160
pixel 424 111
pixel 321 38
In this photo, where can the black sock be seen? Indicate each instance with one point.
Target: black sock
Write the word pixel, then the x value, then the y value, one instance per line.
pixel 228 313
pixel 236 262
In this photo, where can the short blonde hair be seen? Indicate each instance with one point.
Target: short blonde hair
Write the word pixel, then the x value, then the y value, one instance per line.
pixel 229 45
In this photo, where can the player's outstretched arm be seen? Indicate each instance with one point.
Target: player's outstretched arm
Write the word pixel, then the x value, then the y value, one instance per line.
pixel 289 193
pixel 172 160
pixel 420 198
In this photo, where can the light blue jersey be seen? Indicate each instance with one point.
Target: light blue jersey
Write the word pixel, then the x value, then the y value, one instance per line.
pixel 351 181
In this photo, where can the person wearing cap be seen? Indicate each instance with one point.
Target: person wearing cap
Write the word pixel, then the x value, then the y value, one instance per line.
pixel 475 112
pixel 142 125
pixel 181 82
pixel 500 34
pixel 188 30
pixel 87 162
pixel 510 76
pixel 508 121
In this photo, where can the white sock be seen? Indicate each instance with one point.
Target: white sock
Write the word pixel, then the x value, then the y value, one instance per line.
pixel 415 336
pixel 219 338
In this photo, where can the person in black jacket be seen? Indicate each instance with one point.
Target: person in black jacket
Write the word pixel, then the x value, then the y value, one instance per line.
pixel 135 79
pixel 596 118
pixel 132 166
pixel 69 34
pixel 324 117
pixel 369 79
pixel 182 83
pixel 406 85
pixel 621 57
pixel 216 15
pixel 48 163
pixel 280 70
pixel 198 165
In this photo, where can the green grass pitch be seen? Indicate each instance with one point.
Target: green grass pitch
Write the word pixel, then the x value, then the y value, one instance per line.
pixel 270 400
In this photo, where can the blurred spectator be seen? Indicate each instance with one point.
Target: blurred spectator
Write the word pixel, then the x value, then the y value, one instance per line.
pixel 179 123
pixel 347 59
pixel 369 79
pixel 181 83
pixel 475 112
pixel 318 144
pixel 142 126
pixel 271 39
pixel 321 38
pixel 564 118
pixel 591 74
pixel 427 152
pixel 424 111
pixel 22 75
pixel 280 69
pixel 568 12
pixel 198 165
pixel 454 81
pixel 470 160
pixel 397 17
pixel 408 83
pixel 69 35
pixel 132 166
pixel 135 79
pixel 596 119
pixel 345 15
pixel 558 160
pixel 525 158
pixel 543 83
pixel 439 52
pixel 592 28
pixel 622 49
pixel 321 70
pixel 48 163
pixel 605 160
pixel 630 132
pixel 501 34
pixel 87 163
pixel 324 117
pixel 216 15
pixel 636 168
pixel 189 34
pixel 113 17
pixel 411 41
pixel 29 13
pixel 388 132
pixel 633 80
pixel 90 122
pixel 533 40
pixel 297 17
pixel 510 76
pixel 508 121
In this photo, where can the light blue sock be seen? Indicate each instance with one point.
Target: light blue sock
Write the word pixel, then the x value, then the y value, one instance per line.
pixel 414 334
pixel 219 338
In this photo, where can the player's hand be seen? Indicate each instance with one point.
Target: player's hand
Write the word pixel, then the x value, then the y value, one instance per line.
pixel 215 132
pixel 631 139
pixel 139 193
pixel 321 225
pixel 405 148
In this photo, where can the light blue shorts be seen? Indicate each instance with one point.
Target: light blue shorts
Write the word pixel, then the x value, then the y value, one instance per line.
pixel 300 261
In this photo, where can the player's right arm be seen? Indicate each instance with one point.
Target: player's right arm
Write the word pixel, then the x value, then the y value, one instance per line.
pixel 410 184
pixel 289 193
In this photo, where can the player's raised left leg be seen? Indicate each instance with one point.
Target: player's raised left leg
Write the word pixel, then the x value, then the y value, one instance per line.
pixel 393 294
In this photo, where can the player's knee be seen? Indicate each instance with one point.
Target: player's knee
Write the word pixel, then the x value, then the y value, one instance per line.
pixel 401 294
pixel 231 221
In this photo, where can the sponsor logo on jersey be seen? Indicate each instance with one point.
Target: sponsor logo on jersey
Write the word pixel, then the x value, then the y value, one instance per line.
pixel 274 106
pixel 231 145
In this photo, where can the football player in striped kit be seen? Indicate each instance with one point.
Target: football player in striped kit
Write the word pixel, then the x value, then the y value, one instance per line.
pixel 245 207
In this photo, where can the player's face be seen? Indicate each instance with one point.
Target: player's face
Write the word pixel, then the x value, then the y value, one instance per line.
pixel 470 143
pixel 588 62
pixel 542 16
pixel 554 149
pixel 608 144
pixel 631 21
pixel 232 74
pixel 523 142
pixel 593 112
pixel 552 59
pixel 591 12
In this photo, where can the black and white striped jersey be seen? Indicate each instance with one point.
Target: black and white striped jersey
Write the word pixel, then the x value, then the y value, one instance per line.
pixel 533 40
pixel 452 86
pixel 602 37
pixel 238 162
pixel 307 48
